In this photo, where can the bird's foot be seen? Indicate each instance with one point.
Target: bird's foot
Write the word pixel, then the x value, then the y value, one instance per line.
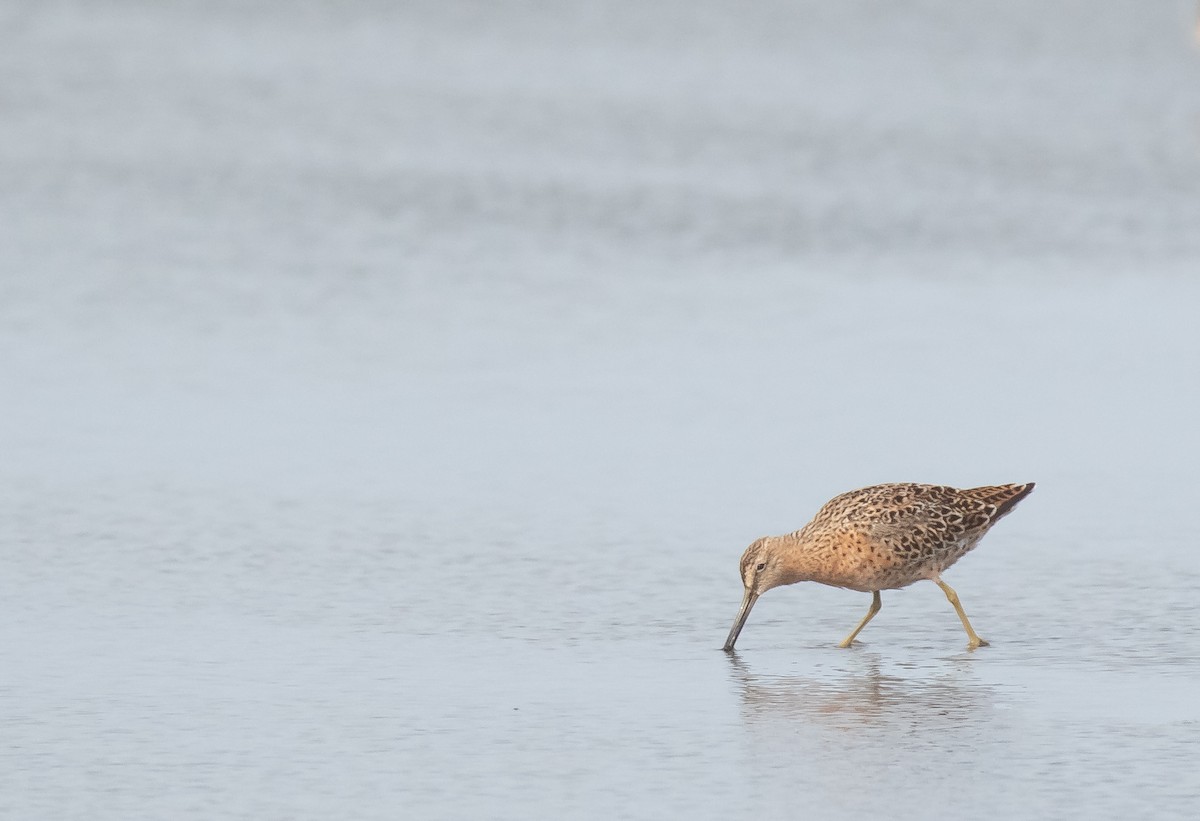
pixel 977 642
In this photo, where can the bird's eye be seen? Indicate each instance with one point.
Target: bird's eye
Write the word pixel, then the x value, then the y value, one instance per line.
pixel 761 565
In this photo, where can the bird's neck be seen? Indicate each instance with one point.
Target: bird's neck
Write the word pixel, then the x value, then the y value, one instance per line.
pixel 796 557
pixel 803 559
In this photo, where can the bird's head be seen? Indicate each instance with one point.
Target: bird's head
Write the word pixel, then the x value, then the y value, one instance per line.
pixel 761 570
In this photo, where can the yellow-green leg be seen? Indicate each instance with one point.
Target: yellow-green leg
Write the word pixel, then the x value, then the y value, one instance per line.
pixel 876 605
pixel 975 641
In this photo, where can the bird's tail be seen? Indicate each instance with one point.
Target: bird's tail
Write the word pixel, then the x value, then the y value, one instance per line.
pixel 1004 497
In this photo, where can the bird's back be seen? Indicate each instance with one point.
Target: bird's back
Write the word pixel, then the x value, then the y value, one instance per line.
pixel 887 536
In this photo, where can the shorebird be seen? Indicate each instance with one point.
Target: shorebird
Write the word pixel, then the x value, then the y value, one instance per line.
pixel 882 537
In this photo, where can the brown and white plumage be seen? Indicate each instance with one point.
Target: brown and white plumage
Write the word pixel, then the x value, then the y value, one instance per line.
pixel 876 538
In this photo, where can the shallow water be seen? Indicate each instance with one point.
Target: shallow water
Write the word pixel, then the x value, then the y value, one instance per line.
pixel 388 395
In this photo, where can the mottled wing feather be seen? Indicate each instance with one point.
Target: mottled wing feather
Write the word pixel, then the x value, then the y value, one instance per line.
pixel 916 519
pixel 913 519
pixel 888 536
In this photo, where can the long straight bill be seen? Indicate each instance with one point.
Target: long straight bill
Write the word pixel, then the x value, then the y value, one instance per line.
pixel 747 602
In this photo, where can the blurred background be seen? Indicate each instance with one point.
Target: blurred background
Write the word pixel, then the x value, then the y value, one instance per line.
pixel 371 372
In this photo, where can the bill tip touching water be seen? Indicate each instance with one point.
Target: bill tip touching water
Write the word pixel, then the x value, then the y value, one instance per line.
pixel 882 537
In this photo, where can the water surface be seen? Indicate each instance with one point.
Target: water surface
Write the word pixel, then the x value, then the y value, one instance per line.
pixel 388 394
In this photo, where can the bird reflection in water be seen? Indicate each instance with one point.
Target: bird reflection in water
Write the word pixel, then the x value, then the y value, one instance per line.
pixel 864 698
